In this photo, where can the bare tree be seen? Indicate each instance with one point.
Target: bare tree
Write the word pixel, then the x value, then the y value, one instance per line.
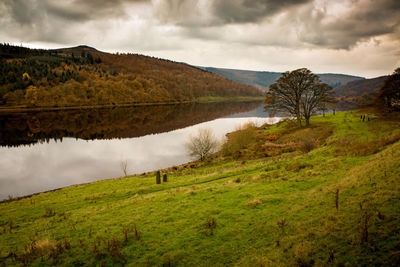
pixel 299 93
pixel 203 144
pixel 124 167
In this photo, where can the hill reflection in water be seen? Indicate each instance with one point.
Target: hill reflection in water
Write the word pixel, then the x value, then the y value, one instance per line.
pixel 126 122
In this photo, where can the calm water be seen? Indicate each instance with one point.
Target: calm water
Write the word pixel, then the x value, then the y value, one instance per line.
pixel 46 150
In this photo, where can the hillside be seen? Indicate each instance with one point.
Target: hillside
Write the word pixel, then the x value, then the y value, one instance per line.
pixel 359 93
pixel 275 196
pixel 263 79
pixel 84 76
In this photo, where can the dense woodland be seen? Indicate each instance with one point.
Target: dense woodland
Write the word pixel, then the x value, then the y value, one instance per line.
pixel 85 76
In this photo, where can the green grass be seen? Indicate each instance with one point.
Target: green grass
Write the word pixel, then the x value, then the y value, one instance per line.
pixel 249 211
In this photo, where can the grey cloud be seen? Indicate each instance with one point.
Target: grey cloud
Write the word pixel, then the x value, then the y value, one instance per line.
pixel 185 13
pixel 365 20
pixel 28 11
pixel 278 23
pixel 58 21
pixel 83 10
pixel 23 12
pixel 245 11
pixel 360 21
pixel 211 13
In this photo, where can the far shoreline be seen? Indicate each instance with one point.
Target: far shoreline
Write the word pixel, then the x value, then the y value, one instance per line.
pixel 202 100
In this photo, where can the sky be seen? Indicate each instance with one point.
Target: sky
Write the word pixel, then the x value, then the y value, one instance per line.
pixel 358 37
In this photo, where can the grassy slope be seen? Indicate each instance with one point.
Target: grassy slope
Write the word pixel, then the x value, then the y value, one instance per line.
pixel 268 211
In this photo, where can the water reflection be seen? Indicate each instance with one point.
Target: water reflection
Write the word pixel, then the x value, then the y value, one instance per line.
pixel 32 127
pixel 53 164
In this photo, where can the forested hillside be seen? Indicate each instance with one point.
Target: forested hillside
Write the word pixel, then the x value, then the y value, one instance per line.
pixel 84 76
pixel 263 79
pixel 358 93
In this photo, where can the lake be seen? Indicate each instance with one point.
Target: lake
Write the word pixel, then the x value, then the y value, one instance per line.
pixel 41 151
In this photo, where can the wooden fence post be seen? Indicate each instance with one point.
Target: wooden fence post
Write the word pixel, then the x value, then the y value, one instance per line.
pixel 158 177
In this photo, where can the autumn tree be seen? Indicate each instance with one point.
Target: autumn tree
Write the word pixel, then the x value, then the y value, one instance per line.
pixel 299 93
pixel 388 97
pixel 31 95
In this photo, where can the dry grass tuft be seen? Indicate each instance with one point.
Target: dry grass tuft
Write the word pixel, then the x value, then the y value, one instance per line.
pixel 297 166
pixel 273 149
pixel 253 203
pixel 352 146
pixel 41 248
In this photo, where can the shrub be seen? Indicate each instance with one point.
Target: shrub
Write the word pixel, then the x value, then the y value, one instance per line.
pixel 240 139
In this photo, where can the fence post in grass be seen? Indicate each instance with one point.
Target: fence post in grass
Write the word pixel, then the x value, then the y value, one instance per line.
pixel 337 199
pixel 158 177
pixel 164 178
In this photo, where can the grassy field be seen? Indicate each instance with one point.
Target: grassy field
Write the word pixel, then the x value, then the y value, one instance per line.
pixel 274 196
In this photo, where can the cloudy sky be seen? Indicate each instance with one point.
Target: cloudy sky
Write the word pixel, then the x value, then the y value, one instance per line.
pixel 360 37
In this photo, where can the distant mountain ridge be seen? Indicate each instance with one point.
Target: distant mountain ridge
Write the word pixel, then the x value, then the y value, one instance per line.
pixel 263 79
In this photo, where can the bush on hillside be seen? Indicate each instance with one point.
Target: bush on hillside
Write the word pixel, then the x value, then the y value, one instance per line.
pixel 240 139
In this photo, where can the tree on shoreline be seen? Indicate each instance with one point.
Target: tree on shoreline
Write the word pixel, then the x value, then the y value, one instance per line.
pixel 299 93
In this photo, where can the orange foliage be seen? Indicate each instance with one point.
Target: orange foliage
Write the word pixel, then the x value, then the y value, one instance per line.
pixel 272 137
